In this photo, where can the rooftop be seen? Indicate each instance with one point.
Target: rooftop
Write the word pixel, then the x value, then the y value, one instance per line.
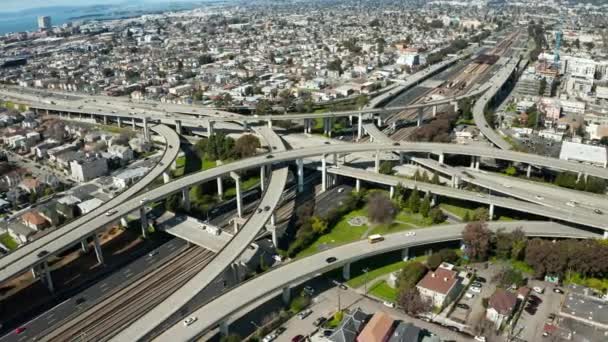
pixel 441 280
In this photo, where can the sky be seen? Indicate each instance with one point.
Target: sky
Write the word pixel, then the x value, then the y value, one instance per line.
pixel 16 5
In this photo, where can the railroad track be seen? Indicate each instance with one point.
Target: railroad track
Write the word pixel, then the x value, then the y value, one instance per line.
pixel 102 321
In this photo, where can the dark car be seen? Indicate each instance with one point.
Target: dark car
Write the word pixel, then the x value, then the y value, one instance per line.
pixel 270 156
pixel 463 306
pixel 319 321
pixel 298 338
pixel 259 210
pixel 80 300
pixel 42 254
pixel 280 330
pixel 327 332
pixel 267 208
pixel 597 211
pixel 481 279
pixel 330 260
pixel 396 144
pixel 170 146
pixel 327 143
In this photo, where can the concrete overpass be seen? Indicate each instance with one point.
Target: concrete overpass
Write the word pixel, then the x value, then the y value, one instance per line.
pixel 78 230
pixel 219 310
pixel 556 213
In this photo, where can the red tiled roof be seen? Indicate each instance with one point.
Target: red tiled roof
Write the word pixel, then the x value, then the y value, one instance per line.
pixel 377 329
pixel 33 217
pixel 441 280
pixel 502 301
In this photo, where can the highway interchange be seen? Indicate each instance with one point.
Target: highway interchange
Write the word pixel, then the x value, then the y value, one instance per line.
pixel 161 318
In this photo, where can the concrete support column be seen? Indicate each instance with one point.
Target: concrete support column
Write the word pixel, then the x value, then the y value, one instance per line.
pixel 401 156
pixel 441 158
pixel 98 251
pixel 434 111
pixel 275 238
pixel 455 182
pixel 273 219
pixel 359 126
pixel 357 185
pixel 324 173
pixel 455 104
pixel 224 331
pixel 35 274
pixel 105 120
pixel 477 163
pixel 123 222
pixel 270 124
pixel 47 277
pixel 305 126
pixel 119 121
pixel 605 237
pixel 379 121
pixel 433 200
pixel 286 295
pixel 346 271
pixel 143 218
pixel 420 116
pixel 146 130
pixel 529 171
pixel 239 199
pixel 472 162
pixel 405 254
pixel 335 156
pixel 133 124
pixel 166 177
pixel 377 162
pixel 263 177
pixel 178 127
pixel 210 128
pixel 300 164
pixel 491 213
pixel 391 192
pixel 220 188
pixel 84 245
pixel 350 119
pixel 186 199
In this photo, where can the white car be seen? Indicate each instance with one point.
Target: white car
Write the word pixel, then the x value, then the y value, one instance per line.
pixel 410 234
pixel 389 304
pixel 507 186
pixel 111 212
pixel 469 295
pixel 188 321
pixel 571 204
pixel 475 289
pixel 143 200
pixel 269 337
pixel 479 338
pixel 539 197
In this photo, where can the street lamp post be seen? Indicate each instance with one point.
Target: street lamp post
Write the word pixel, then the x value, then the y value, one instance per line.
pixel 365 270
pixel 337 283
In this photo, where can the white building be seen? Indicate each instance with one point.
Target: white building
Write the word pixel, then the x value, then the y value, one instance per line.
pixel 128 177
pixel 88 168
pixel 44 22
pixel 583 153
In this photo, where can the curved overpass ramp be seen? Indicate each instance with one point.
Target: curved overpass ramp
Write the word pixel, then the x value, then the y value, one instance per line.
pixel 226 305
pixel 73 232
pixel 230 252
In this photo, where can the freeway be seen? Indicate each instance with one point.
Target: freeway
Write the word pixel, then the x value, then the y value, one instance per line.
pixel 574 216
pixel 230 252
pixel 28 259
pixel 73 232
pixel 282 277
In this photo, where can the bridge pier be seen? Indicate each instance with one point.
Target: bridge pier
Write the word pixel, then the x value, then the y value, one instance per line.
pixel 379 121
pixel 119 121
pixel 377 162
pixel 123 222
pixel 220 188
pixel 401 158
pixel 357 185
pixel 224 327
pixel 210 128
pixel 346 271
pixel 491 212
pixel 166 177
pixel 105 120
pixel 441 158
pixel 286 295
pixel 270 124
pixel 300 164
pixel 84 245
pixel 434 110
pixel 186 199
pixel 455 104
pixel 359 126
pixel 146 130
pixel 143 218
pixel 405 254
pixel 178 127
pixel 420 116
pixel 133 124
pixel 263 177
pixel 35 274
pixel 529 171
pixel 273 230
pixel 605 234
pixel 47 279
pixel 324 173
pixel 239 200
pixel 455 182
pixel 98 251
pixel 391 192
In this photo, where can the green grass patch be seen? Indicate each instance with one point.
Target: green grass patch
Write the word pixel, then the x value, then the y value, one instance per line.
pixel 341 233
pixel 379 271
pixel 208 164
pixel 594 283
pixel 245 185
pixel 518 265
pixel 382 290
pixel 113 129
pixel 8 241
pixel 455 210
pixel 180 162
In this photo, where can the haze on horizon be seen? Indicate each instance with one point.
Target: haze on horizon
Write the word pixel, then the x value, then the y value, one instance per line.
pixel 18 5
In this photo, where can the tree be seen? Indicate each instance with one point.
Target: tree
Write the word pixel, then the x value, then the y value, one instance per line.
pixel 448 255
pixel 434 261
pixel 481 214
pixel 511 171
pixel 477 239
pixel 542 87
pixel 425 206
pixel 412 303
pixel 318 225
pixel 413 202
pixel 361 101
pixel 231 338
pixel 263 107
pixel 246 145
pixel 380 209
pixel 504 244
pixel 437 215
pixel 386 168
pixel 410 274
pixel 435 179
pixel 467 216
pixel 425 177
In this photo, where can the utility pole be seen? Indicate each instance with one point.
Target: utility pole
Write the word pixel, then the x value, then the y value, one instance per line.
pixel 365 270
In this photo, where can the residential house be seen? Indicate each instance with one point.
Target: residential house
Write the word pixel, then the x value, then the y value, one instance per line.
pixel 31 185
pixel 501 306
pixel 34 220
pixel 20 233
pixel 88 168
pixel 349 328
pixel 406 332
pixel 378 329
pixel 128 177
pixel 89 205
pixel 440 286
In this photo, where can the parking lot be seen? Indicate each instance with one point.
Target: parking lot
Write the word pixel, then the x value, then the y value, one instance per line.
pixel 531 322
